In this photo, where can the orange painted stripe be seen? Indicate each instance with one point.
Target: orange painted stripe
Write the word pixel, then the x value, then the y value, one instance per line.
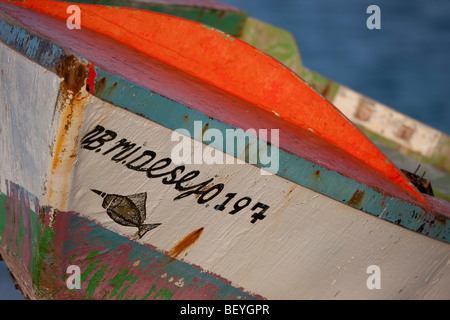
pixel 233 66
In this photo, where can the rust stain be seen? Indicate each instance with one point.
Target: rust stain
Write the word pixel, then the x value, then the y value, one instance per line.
pixel 73 72
pixel 356 198
pixel 203 189
pixel 405 133
pixel 326 89
pixel 205 127
pixel 222 14
pixel 72 99
pixel 316 174
pixel 247 152
pixel 100 85
pixel 186 242
pixel 292 188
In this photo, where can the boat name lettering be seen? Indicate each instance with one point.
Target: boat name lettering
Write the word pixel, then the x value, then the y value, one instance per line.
pixel 137 158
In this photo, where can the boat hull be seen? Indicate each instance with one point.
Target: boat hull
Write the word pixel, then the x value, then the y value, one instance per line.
pixel 225 229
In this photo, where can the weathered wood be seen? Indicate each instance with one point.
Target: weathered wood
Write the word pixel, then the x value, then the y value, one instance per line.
pixel 327 215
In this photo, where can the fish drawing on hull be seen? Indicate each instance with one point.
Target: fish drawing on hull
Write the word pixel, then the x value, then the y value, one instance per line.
pixel 127 211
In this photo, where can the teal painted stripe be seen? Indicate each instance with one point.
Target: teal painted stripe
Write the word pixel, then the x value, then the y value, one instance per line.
pixel 36 48
pixel 171 115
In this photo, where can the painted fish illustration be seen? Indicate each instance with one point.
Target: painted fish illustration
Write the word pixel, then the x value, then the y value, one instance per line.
pixel 127 210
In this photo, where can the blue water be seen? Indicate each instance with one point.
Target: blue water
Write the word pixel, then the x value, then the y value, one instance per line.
pixel 7 289
pixel 405 64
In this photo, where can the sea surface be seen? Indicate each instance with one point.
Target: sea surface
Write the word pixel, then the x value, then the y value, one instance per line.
pixel 404 65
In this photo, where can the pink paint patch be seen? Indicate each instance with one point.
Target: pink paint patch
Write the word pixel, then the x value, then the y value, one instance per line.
pixel 17 237
pixel 114 267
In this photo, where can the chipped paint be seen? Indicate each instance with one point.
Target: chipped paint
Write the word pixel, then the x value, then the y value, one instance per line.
pixel 27 238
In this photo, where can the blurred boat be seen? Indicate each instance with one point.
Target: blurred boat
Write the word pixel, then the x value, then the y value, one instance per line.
pixel 116 161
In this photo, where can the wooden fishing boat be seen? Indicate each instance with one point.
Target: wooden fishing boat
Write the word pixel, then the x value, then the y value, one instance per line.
pixel 167 159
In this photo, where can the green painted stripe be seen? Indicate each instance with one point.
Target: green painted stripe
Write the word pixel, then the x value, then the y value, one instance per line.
pixel 37 235
pixel 326 87
pixel 274 41
pixel 228 20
